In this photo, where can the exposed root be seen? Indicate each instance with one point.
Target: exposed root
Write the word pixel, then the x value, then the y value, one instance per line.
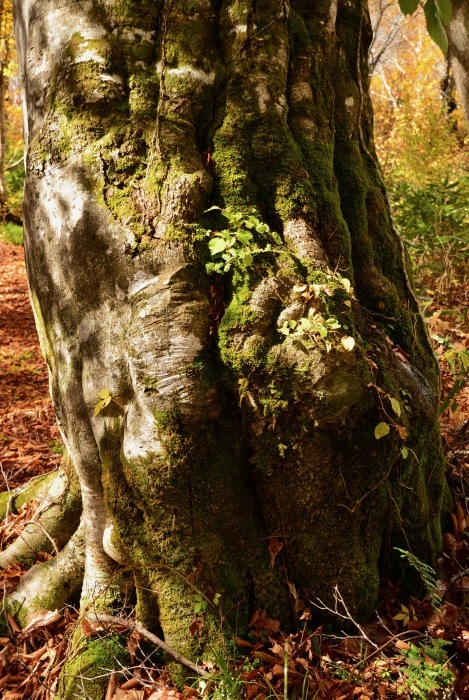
pixel 137 627
pixel 51 526
pixel 51 584
pixel 13 499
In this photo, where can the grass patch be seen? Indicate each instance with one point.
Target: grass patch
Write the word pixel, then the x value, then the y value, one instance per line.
pixel 11 233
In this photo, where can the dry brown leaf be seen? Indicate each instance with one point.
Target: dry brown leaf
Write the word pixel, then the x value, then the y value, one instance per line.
pixel 252 691
pixel 401 431
pixel 35 655
pixel 166 694
pixel 131 683
pixel 277 670
pixel 112 687
pixel 400 644
pixel 277 649
pixel 131 694
pixel 42 618
pixel 87 628
pixel 242 644
pixel 461 518
pixel 275 547
pixel 12 623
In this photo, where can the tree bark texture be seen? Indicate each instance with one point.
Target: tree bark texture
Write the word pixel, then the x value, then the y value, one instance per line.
pixel 227 440
pixel 458 37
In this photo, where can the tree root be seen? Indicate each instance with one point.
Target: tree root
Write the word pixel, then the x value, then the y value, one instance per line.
pixel 37 487
pixel 137 627
pixel 53 523
pixel 51 584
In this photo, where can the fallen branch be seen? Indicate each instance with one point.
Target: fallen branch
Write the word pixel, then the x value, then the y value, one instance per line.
pixel 135 626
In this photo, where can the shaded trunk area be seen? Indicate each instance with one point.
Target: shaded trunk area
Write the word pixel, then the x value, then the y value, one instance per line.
pixel 222 420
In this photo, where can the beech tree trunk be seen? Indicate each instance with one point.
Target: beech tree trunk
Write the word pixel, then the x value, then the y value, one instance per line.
pixel 458 36
pixel 234 459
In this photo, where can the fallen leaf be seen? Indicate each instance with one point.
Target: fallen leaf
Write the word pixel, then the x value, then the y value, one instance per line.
pixel 42 618
pixel 275 547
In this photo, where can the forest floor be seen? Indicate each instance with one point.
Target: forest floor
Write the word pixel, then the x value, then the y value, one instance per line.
pixel 411 645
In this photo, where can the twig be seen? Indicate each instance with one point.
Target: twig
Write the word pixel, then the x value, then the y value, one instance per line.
pixel 386 644
pixel 13 165
pixel 137 627
pixel 347 616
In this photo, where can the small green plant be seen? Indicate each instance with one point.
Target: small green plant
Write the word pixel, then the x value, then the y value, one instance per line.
pixel 105 399
pixel 426 573
pixel 201 602
pixel 434 222
pixel 235 245
pixel 426 669
pixel 458 361
pixel 311 326
pixel 11 233
pixel 405 616
pixel 314 326
pixel 56 447
pixel 383 428
pixel 224 684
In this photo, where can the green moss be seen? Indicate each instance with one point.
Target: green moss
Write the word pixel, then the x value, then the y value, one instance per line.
pixel 143 97
pixel 19 497
pixel 87 675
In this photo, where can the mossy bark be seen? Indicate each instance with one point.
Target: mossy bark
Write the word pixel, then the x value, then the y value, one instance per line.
pixel 224 438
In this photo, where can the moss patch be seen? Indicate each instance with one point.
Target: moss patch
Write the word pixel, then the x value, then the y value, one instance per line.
pixel 87 675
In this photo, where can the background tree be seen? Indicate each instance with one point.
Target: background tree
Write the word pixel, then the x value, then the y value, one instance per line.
pixel 458 34
pixel 221 423
pixel 7 61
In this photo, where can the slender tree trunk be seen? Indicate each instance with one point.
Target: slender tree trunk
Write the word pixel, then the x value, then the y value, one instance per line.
pixel 458 35
pixel 4 60
pixel 233 459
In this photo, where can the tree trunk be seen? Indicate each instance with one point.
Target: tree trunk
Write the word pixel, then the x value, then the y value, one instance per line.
pixel 5 40
pixel 226 440
pixel 458 36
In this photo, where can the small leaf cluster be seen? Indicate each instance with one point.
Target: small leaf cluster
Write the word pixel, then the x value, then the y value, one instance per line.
pixel 437 17
pixel 313 325
pixel 236 244
pixel 105 399
pixel 426 669
pixel 201 602
pixel 405 616
pixel 398 406
pixel 426 573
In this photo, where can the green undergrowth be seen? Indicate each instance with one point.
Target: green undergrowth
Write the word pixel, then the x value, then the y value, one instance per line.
pixel 11 233
pixel 434 222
